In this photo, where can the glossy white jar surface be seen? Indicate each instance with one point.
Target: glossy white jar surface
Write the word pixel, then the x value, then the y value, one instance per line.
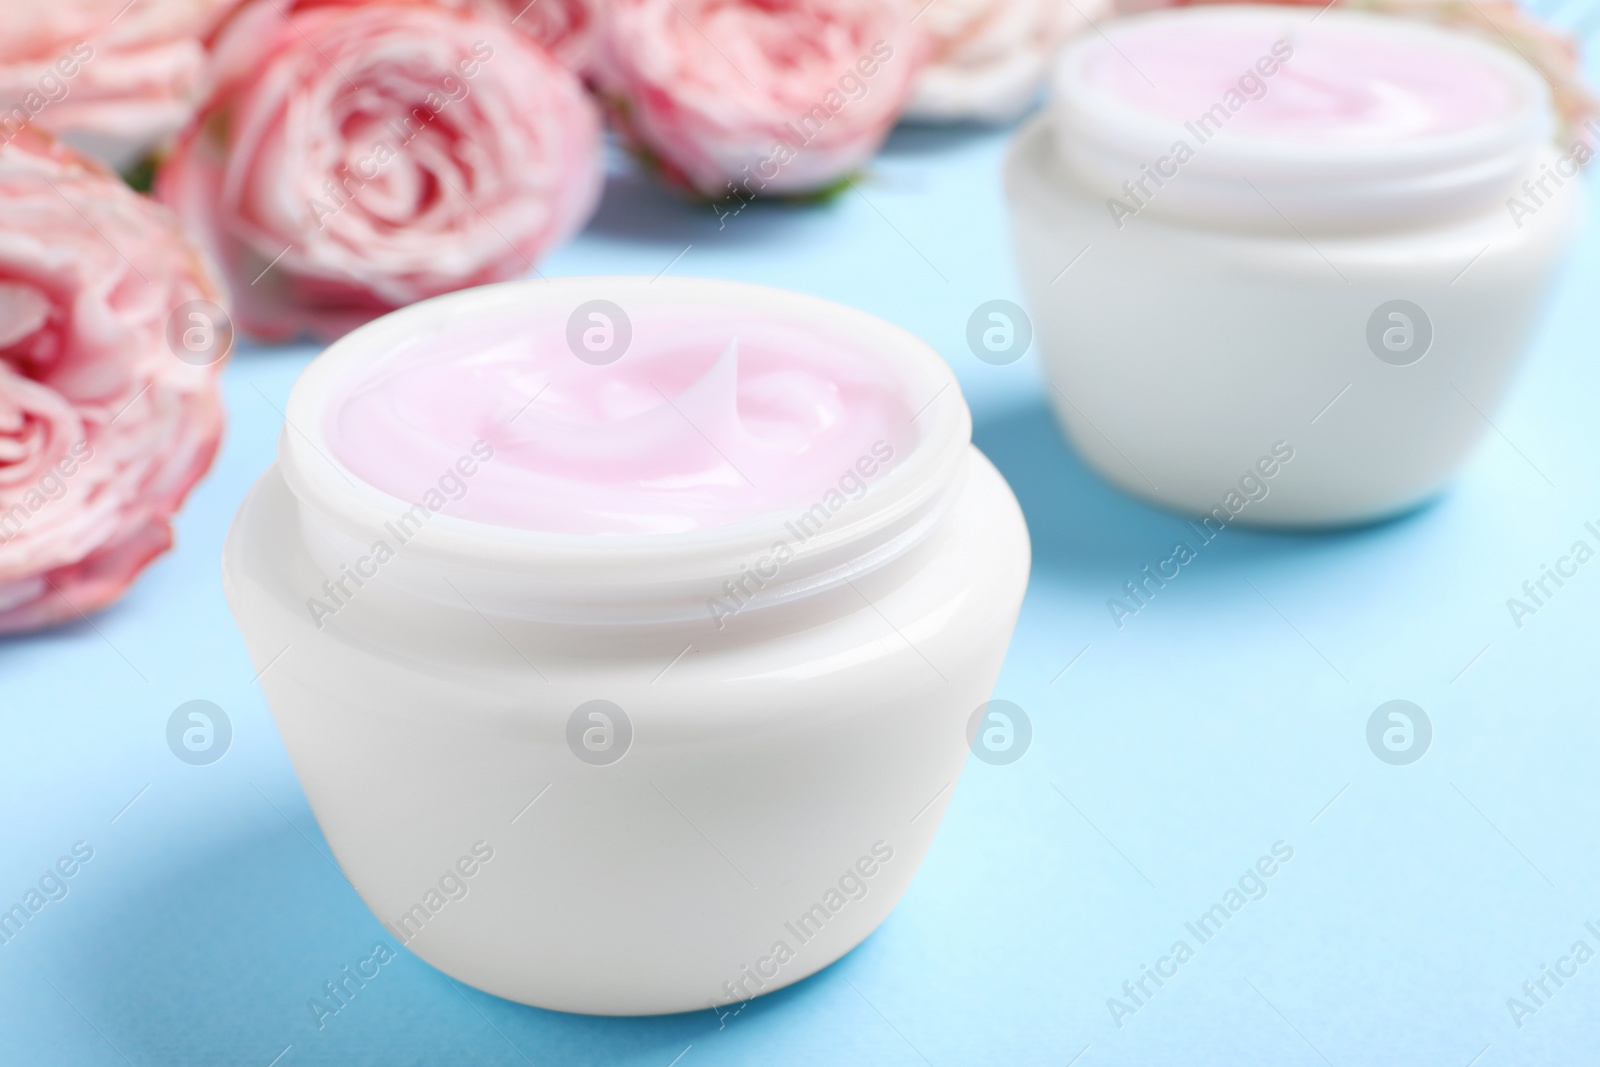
pixel 797 757
pixel 1247 309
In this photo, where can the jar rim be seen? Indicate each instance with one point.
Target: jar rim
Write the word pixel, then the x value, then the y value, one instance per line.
pixel 1104 139
pixel 537 573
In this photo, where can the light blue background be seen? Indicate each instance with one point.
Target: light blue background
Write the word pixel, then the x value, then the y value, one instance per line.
pixel 1170 756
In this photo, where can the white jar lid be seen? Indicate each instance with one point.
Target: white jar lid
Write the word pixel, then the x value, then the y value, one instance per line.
pixel 1249 115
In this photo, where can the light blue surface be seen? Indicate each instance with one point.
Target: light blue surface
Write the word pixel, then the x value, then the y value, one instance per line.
pixel 1229 715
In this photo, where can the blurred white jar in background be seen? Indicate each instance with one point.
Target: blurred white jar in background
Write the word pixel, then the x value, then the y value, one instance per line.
pixel 624 676
pixel 1247 232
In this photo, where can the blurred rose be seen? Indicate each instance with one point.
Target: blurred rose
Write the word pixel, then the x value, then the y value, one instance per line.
pixel 780 96
pixel 566 27
pixel 352 160
pixel 103 430
pixel 989 58
pixel 115 78
pixel 1505 23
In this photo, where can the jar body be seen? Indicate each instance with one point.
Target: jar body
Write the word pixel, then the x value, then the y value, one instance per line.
pixel 784 778
pixel 1179 355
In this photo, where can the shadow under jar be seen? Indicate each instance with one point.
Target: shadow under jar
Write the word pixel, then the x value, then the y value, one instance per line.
pixel 625 635
pixel 1282 264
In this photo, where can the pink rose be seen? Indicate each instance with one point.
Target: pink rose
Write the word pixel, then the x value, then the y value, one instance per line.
pixel 114 78
pixel 353 160
pixel 989 58
pixel 103 430
pixel 567 28
pixel 779 96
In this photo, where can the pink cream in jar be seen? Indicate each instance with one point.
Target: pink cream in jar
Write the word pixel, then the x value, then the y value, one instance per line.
pixel 1343 86
pixel 700 422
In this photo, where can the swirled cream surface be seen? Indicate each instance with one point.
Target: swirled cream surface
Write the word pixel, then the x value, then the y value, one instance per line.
pixel 705 420
pixel 1338 81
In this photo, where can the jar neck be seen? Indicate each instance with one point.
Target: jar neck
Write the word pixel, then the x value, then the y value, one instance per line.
pixel 764 568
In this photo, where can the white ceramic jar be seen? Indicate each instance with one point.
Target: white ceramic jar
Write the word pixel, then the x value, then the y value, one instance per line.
pixel 1251 233
pixel 550 771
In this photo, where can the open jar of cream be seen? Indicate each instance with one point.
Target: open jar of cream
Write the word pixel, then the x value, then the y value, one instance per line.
pixel 625 634
pixel 1251 233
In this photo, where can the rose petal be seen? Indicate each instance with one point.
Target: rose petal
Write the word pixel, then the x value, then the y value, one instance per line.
pixel 23 311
